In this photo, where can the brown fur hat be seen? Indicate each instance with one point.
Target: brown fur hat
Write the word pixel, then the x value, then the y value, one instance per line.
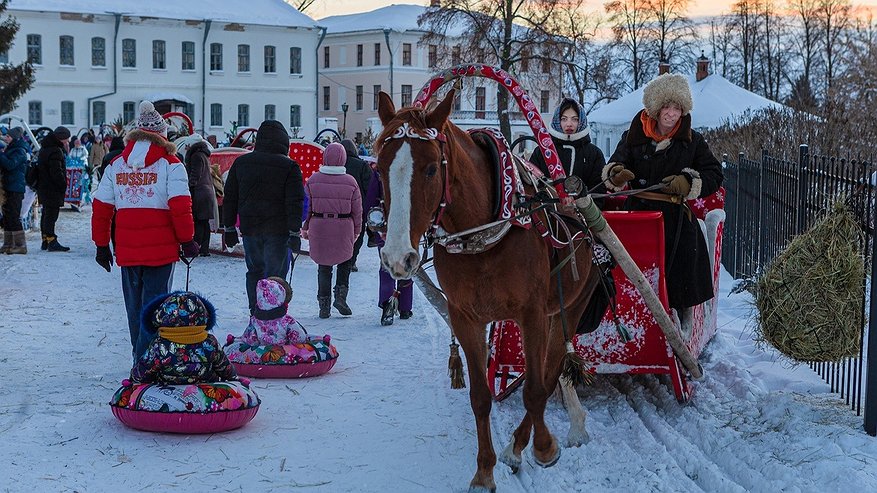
pixel 665 89
pixel 154 138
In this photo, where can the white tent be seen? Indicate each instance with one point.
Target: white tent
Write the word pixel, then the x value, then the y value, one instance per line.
pixel 716 99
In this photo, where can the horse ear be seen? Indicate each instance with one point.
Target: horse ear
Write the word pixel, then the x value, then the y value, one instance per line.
pixel 386 108
pixel 438 117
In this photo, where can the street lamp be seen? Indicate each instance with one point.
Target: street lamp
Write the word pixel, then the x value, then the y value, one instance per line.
pixel 344 108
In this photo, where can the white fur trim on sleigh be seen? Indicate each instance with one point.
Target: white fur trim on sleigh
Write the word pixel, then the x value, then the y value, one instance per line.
pixel 696 183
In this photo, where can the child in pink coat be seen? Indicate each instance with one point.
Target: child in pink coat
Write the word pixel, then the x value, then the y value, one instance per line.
pixel 270 322
pixel 333 224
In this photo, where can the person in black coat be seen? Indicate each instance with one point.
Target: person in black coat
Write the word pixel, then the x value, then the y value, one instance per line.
pixel 264 189
pixel 52 185
pixel 13 162
pixel 201 187
pixel 362 173
pixel 579 157
pixel 117 145
pixel 660 148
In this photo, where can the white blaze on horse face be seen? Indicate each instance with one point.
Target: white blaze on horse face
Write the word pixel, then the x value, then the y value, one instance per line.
pixel 398 256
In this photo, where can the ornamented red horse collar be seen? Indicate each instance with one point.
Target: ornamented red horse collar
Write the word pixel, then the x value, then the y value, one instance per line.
pixel 405 131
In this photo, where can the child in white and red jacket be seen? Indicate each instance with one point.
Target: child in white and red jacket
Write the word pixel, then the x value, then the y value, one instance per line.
pixel 146 188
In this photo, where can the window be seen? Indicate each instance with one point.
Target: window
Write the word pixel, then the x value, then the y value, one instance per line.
pixel 215 115
pixel 295 60
pixel 129 53
pixel 325 57
pixel 99 112
pixel 65 50
pixel 359 55
pixel 544 102
pixel 35 54
pixel 243 58
pixel 433 56
pixel 406 53
pixel 377 53
pixel 295 116
pixel 243 115
pixel 546 65
pixel 326 99
pixel 35 112
pixel 98 52
pixel 158 55
pixel 480 102
pixel 216 57
pixel 455 55
pixel 270 59
pixel 377 91
pixel 270 112
pixel 67 113
pixel 188 55
pixel 358 98
pixel 128 112
pixel 406 95
pixel 525 60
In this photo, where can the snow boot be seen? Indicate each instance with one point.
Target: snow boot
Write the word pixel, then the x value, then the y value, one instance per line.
pixel 19 244
pixel 54 246
pixel 8 242
pixel 405 314
pixel 45 244
pixel 340 303
pixel 325 310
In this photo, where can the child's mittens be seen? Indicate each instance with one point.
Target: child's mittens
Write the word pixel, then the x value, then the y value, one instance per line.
pixel 229 339
pixel 245 381
pixel 126 383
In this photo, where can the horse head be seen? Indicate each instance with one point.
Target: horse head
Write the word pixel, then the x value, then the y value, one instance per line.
pixel 413 169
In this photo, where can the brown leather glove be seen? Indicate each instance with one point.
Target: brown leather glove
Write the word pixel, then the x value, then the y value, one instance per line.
pixel 676 185
pixel 619 175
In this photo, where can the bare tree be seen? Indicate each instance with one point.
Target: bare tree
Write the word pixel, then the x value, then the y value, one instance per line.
pixel 833 21
pixel 804 13
pixel 629 20
pixel 745 22
pixel 671 30
pixel 721 34
pixel 302 5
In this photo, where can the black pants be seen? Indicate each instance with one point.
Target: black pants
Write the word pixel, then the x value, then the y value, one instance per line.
pixel 202 234
pixel 48 220
pixel 357 245
pixel 324 277
pixel 12 212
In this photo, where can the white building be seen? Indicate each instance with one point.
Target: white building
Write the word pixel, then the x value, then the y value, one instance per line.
pixel 356 64
pixel 716 100
pixel 216 60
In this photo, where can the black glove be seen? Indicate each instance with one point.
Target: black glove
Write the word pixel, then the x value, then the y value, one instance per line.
pixel 231 237
pixel 294 242
pixel 104 257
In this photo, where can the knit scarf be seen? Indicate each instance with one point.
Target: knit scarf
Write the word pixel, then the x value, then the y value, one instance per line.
pixel 192 334
pixel 650 127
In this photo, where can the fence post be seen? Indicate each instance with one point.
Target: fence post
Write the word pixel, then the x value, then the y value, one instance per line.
pixel 871 356
pixel 738 252
pixel 803 168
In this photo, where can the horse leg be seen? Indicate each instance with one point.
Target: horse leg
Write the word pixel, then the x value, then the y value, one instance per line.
pixel 471 337
pixel 511 456
pixel 535 332
pixel 578 434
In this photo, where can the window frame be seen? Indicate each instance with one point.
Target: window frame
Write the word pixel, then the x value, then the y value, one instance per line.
pixel 66 53
pixel 273 113
pixel 129 53
pixel 243 115
pixel 35 108
pixel 68 114
pixel 406 92
pixel 359 98
pixel 129 111
pixel 294 115
pixel 216 114
pixel 216 57
pixel 406 54
pixel 295 60
pixel 377 54
pixel 327 57
pixel 98 53
pixel 244 58
pixel 35 50
pixel 376 90
pixel 159 54
pixel 95 112
pixel 184 56
pixel 327 98
pixel 270 59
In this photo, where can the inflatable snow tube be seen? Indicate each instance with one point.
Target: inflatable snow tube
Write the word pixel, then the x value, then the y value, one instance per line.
pixel 312 358
pixel 192 408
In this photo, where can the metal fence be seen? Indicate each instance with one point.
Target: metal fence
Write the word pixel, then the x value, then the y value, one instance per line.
pixel 770 200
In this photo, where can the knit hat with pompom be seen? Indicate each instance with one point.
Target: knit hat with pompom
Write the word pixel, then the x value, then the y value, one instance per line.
pixel 150 120
pixel 272 298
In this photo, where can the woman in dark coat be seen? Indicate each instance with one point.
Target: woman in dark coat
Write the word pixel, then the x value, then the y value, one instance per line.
pixel 660 147
pixel 201 187
pixel 52 185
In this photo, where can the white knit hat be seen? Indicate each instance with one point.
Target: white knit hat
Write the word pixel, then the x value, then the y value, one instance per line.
pixel 150 120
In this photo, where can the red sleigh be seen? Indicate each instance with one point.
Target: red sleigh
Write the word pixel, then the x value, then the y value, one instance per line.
pixel 647 351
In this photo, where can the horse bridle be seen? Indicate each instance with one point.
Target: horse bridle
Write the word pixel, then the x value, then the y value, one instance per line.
pixel 405 132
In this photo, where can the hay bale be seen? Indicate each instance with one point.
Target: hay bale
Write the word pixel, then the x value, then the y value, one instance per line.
pixel 810 298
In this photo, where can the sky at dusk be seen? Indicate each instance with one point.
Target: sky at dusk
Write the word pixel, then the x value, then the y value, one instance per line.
pixel 325 8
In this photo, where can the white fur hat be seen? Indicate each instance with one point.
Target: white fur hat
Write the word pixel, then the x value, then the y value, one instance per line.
pixel 665 89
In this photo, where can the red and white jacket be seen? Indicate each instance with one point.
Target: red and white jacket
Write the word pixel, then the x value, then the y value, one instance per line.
pixel 147 188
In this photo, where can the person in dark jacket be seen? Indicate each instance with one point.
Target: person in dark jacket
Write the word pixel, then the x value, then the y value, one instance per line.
pixel 660 147
pixel 52 185
pixel 579 157
pixel 362 173
pixel 264 189
pixel 13 161
pixel 117 145
pixel 201 187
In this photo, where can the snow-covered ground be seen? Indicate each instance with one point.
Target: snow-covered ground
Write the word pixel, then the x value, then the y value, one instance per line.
pixel 385 418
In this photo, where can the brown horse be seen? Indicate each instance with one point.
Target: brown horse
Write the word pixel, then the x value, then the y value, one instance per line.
pixel 425 161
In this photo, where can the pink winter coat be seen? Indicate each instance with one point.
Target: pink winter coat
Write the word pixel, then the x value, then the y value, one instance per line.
pixel 332 192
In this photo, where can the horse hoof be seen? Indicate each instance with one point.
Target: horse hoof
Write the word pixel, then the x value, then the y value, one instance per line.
pixel 482 489
pixel 577 438
pixel 509 458
pixel 550 462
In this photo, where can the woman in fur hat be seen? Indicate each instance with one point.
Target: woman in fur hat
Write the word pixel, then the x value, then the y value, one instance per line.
pixel 660 147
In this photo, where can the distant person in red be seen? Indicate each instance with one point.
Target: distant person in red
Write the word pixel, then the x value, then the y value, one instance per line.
pixel 147 189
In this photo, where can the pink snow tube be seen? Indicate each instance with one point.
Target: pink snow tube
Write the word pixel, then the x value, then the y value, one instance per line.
pixel 309 359
pixel 195 408
pixel 300 370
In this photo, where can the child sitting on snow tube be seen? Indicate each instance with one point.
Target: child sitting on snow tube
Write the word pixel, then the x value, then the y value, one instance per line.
pixel 275 345
pixel 183 382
